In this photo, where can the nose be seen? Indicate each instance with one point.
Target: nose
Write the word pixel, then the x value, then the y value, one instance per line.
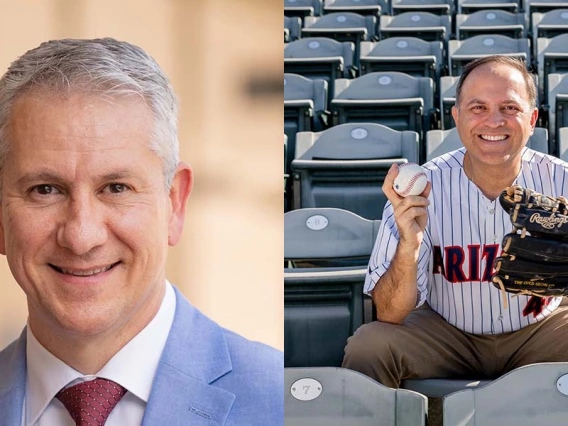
pixel 495 119
pixel 83 227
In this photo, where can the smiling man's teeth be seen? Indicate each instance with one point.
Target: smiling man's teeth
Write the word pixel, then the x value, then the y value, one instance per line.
pixel 493 138
pixel 86 272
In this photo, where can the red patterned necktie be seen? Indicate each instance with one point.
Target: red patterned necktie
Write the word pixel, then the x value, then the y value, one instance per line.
pixel 90 403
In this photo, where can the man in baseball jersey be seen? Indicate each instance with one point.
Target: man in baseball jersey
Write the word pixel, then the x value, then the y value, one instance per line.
pixel 429 274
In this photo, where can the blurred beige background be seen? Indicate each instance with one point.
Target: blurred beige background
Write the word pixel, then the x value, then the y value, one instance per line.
pixel 224 59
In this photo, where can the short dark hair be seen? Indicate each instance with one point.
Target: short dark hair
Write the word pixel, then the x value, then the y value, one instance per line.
pixel 514 62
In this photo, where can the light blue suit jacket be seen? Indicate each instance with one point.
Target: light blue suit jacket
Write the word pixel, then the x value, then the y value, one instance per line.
pixel 207 376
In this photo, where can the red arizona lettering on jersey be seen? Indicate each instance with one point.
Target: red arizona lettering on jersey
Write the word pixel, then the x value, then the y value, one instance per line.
pixel 451 264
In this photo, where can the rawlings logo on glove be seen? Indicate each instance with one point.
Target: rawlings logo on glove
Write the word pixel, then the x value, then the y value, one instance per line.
pixel 548 222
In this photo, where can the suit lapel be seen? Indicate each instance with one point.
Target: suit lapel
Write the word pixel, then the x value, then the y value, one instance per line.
pixel 195 355
pixel 13 382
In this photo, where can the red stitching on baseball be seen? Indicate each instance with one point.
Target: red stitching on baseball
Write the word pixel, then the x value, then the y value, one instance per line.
pixel 412 182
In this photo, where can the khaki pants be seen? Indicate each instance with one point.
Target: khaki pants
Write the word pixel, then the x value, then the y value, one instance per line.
pixel 426 346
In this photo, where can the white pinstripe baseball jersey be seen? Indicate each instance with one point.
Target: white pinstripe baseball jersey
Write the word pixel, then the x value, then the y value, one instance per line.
pixel 462 238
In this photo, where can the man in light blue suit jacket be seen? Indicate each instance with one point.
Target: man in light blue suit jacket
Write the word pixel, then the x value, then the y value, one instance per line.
pixel 219 377
pixel 92 193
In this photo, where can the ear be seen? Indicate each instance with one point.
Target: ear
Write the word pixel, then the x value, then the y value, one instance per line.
pixel 455 114
pixel 534 117
pixel 179 193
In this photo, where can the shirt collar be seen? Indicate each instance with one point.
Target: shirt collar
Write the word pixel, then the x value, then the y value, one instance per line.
pixel 133 367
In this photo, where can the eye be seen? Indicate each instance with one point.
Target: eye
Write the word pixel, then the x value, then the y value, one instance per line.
pixel 44 190
pixel 117 188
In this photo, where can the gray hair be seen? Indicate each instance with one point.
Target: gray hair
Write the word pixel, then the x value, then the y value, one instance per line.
pixel 105 67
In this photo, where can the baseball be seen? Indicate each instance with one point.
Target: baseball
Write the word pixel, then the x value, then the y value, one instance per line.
pixel 411 180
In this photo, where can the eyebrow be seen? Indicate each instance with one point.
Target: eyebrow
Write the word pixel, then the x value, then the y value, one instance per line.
pixel 48 176
pixel 506 102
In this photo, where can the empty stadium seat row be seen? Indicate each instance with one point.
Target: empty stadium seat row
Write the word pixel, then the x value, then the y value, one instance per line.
pixel 345 166
pixel 314 52
pixel 305 8
pixel 393 99
pixel 327 59
pixel 486 21
pixel 428 27
pixel 351 27
pixel 529 395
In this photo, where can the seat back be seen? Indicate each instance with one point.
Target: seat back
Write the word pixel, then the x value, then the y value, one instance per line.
pixel 552 58
pixel 437 7
pixel 491 22
pixel 448 87
pixel 343 27
pixel 439 142
pixel 463 51
pixel 394 99
pixel 533 394
pixel 298 88
pixel 323 292
pixel 341 397
pixel 304 101
pixel 362 7
pixel 322 308
pixel 563 143
pixel 549 25
pixel 557 99
pixel 345 166
pixel 423 25
pixel 341 23
pixel 292 28
pixel 287 202
pixel 319 59
pixel 472 6
pixel 410 55
pixel 302 8
pixel 357 141
pixel 544 6
pixel 328 237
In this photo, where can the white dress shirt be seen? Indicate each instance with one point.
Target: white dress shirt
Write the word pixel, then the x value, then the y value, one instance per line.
pixel 133 367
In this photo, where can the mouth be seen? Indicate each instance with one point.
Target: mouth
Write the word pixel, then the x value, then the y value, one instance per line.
pixel 87 272
pixel 494 138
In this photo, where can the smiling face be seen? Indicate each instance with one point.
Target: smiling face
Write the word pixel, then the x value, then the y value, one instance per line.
pixel 494 118
pixel 85 218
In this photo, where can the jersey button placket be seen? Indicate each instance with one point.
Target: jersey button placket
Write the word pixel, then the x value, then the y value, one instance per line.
pixel 491 238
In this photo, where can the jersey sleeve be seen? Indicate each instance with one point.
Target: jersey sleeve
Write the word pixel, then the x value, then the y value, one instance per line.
pixel 384 250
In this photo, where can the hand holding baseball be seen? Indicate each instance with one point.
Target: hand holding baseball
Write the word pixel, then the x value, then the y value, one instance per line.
pixel 411 180
pixel 407 188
